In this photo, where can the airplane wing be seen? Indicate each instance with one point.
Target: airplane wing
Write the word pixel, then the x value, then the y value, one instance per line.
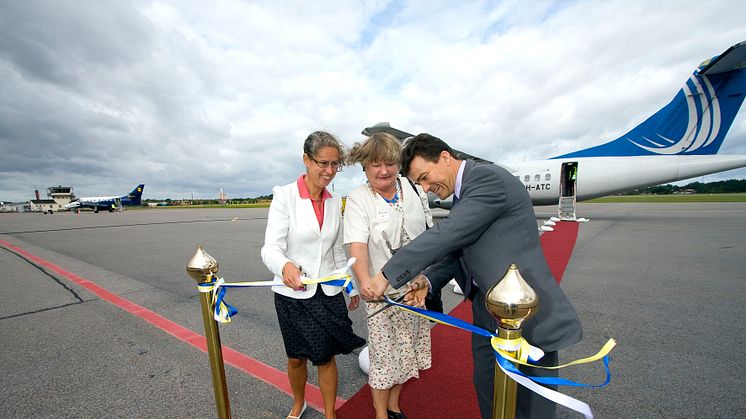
pixel 733 58
pixel 403 136
pixel 388 129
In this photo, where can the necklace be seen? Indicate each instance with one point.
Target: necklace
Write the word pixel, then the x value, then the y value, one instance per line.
pixel 395 201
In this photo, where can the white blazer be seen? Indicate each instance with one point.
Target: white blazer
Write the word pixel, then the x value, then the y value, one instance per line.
pixel 293 235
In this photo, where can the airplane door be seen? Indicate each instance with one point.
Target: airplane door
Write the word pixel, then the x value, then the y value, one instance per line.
pixel 568 176
pixel 568 190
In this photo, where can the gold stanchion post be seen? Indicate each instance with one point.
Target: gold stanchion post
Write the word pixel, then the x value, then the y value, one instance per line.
pixel 511 301
pixel 202 267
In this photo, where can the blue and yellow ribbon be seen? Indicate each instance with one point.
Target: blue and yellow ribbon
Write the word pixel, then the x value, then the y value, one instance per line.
pixel 224 311
pixel 507 362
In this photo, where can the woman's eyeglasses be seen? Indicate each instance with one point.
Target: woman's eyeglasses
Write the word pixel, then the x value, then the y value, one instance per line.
pixel 336 165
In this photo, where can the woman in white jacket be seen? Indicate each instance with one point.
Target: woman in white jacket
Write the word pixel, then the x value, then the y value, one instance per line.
pixel 304 236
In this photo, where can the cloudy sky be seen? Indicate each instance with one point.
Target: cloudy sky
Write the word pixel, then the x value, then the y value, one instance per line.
pixel 191 96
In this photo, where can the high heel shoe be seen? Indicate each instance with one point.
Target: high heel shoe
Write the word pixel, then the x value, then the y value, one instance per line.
pixel 302 411
pixel 395 415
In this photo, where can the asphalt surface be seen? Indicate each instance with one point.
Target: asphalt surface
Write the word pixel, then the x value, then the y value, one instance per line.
pixel 665 280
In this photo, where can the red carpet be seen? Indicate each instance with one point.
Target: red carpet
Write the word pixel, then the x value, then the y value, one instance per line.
pixel 446 390
pixel 558 245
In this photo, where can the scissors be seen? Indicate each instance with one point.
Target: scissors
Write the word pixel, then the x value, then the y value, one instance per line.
pixel 388 305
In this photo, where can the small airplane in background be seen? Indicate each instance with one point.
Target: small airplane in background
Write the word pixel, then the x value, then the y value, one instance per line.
pixel 108 203
pixel 678 142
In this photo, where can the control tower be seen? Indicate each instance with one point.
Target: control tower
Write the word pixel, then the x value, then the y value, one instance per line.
pixel 62 195
pixel 222 197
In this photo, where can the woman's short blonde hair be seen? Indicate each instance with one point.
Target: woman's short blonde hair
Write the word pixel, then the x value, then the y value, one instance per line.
pixel 379 147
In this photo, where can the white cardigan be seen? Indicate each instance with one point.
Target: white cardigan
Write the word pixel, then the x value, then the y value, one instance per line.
pixel 293 235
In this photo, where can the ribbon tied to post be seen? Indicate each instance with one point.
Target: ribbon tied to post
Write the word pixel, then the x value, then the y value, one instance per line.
pixel 507 362
pixel 224 311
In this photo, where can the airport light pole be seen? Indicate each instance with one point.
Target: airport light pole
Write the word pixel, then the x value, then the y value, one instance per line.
pixel 511 301
pixel 203 267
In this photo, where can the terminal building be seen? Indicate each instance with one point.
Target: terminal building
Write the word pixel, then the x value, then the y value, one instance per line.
pixel 58 197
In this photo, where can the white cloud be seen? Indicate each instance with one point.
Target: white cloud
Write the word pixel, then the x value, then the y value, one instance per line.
pixel 188 97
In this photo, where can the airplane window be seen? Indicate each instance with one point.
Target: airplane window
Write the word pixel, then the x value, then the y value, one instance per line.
pixel 527 178
pixel 537 178
pixel 547 177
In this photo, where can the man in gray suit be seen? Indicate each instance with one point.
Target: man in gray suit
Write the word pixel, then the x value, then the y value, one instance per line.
pixel 491 225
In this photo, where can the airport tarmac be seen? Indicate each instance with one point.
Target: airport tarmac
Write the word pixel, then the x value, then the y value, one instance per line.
pixel 665 280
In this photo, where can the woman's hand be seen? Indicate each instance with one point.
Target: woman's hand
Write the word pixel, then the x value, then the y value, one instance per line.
pixel 418 290
pixel 354 302
pixel 363 283
pixel 291 277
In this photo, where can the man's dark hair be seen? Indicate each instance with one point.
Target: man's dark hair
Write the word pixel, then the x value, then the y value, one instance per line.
pixel 425 146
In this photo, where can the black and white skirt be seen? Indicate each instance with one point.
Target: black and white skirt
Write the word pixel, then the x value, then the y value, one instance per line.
pixel 316 328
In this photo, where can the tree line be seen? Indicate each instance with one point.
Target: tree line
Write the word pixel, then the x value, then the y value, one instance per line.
pixel 231 201
pixel 723 186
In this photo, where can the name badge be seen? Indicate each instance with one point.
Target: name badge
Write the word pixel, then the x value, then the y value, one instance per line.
pixel 383 215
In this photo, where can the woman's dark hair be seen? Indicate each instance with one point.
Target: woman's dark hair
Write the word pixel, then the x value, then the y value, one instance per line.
pixel 320 139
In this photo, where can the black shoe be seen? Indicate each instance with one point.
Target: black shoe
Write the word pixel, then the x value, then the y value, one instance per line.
pixel 396 415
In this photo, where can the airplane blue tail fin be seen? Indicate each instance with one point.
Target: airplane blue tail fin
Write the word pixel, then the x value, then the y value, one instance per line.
pixel 697 119
pixel 136 194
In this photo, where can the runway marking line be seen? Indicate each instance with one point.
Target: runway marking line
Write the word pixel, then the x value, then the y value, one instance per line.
pixel 251 366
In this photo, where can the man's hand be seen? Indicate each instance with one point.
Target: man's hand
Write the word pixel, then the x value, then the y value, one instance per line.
pixel 291 277
pixel 376 287
pixel 418 290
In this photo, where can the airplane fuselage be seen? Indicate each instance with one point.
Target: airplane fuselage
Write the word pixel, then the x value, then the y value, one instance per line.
pixel 601 176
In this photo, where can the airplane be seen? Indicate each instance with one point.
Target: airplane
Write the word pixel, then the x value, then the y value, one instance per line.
pixel 108 203
pixel 678 142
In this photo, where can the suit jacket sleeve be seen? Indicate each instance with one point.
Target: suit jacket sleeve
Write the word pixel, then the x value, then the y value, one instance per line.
pixel 483 199
pixel 275 237
pixel 340 259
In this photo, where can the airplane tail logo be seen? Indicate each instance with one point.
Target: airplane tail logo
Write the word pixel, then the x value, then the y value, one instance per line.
pixel 697 119
pixel 136 194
